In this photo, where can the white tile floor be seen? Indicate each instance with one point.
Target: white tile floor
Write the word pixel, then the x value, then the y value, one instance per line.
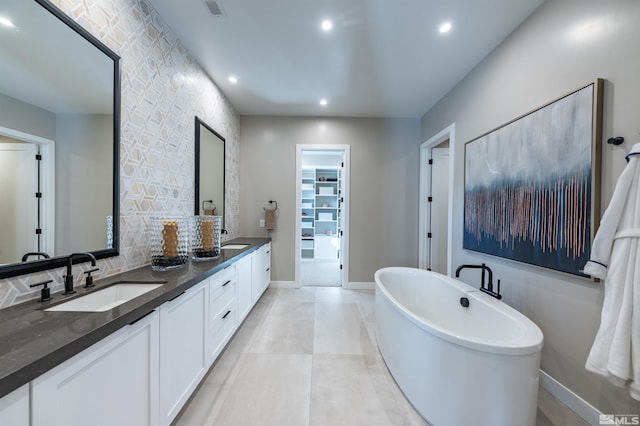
pixel 320 273
pixel 308 357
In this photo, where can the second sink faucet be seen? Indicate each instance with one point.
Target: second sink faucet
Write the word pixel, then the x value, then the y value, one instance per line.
pixel 68 279
pixel 489 287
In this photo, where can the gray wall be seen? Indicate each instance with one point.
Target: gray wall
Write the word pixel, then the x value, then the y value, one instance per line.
pixel 383 213
pixel 562 46
pixel 84 181
pixel 18 115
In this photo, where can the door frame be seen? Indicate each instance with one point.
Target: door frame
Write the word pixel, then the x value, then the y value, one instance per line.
pixel 344 239
pixel 424 213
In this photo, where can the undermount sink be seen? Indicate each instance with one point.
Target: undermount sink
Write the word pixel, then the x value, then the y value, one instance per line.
pixel 107 298
pixel 234 246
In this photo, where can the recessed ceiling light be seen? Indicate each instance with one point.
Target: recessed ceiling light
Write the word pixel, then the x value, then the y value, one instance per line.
pixel 326 25
pixel 233 79
pixel 323 102
pixel 6 22
pixel 445 27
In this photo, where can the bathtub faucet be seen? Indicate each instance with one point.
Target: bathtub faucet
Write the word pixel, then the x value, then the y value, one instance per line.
pixel 489 285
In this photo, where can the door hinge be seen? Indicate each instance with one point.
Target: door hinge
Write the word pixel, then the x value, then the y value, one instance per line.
pixel 429 235
pixel 38 194
pixel 342 164
pixel 38 157
pixel 341 266
pixel 430 199
pixel 38 231
pixel 341 233
pixel 430 160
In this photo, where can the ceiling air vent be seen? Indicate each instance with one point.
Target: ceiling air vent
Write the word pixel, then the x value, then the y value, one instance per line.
pixel 215 8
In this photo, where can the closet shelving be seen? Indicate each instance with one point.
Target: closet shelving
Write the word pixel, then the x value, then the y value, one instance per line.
pixel 320 213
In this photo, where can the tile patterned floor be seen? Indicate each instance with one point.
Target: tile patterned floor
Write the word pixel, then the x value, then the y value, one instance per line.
pixel 308 357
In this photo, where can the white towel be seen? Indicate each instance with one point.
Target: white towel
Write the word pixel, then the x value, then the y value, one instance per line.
pixel 615 258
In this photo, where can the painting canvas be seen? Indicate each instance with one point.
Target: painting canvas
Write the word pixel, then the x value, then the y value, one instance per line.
pixel 531 185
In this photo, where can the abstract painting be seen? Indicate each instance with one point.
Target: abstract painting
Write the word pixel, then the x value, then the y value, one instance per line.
pixel 531 186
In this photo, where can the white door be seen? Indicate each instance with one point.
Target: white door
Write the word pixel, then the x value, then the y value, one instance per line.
pixel 439 209
pixel 19 177
pixel 434 245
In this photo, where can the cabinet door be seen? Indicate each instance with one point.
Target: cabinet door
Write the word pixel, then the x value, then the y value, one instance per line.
pixel 244 287
pixel 222 322
pixel 327 247
pixel 114 382
pixel 14 408
pixel 182 348
pixel 260 271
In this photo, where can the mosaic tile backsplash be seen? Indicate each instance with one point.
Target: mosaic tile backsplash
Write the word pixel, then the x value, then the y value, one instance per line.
pixel 163 89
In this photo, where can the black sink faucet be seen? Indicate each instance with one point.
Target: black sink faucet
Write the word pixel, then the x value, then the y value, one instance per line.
pixel 489 286
pixel 68 279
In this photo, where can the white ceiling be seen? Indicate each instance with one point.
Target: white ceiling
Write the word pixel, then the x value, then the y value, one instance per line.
pixel 383 58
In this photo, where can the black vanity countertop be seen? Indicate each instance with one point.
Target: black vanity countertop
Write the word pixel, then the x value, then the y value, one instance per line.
pixel 32 341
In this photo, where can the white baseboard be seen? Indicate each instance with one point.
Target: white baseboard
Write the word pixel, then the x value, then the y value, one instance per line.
pixel 348 286
pixel 283 284
pixel 359 286
pixel 588 412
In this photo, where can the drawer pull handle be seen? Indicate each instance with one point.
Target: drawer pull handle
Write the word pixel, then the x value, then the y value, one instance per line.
pixel 225 315
pixel 145 315
pixel 226 283
pixel 174 298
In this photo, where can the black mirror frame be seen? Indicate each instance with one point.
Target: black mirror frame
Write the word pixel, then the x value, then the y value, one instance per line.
pixel 23 268
pixel 199 122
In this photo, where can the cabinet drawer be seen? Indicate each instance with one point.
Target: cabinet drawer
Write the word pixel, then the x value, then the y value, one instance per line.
pixel 223 296
pixel 225 318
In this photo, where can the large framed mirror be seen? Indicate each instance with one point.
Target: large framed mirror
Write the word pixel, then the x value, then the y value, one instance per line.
pixel 59 139
pixel 209 179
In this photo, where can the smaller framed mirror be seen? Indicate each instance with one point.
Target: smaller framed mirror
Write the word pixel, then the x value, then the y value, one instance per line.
pixel 209 171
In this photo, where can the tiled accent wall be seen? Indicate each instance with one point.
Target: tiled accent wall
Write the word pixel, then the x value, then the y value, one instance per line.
pixel 163 89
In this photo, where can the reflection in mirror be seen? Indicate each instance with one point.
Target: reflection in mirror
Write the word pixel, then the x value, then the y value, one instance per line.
pixel 209 185
pixel 59 137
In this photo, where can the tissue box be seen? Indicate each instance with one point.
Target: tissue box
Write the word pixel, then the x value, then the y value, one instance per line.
pixel 325 216
pixel 325 190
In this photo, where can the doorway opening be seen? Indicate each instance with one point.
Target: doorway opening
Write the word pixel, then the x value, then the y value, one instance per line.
pixel 28 194
pixel 321 210
pixel 436 204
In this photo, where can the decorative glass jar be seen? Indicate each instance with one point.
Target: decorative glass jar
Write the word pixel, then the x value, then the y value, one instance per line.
pixel 206 232
pixel 169 242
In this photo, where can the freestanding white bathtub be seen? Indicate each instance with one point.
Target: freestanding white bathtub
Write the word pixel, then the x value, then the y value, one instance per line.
pixel 458 366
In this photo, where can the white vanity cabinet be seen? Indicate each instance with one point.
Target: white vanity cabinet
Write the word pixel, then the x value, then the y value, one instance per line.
pixel 14 408
pixel 223 310
pixel 144 373
pixel 183 357
pixel 261 271
pixel 113 382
